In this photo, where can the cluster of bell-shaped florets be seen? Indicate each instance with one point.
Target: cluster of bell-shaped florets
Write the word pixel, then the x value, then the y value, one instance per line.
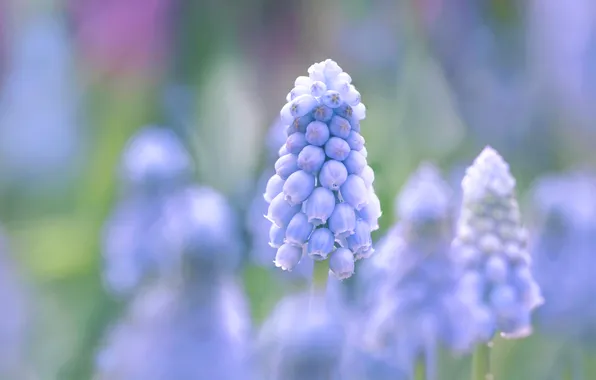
pixel 418 305
pixel 163 221
pixel 491 244
pixel 322 200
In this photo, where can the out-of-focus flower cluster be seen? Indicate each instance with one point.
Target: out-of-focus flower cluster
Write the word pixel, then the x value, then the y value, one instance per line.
pixel 564 244
pixel 321 197
pixel 162 220
pixel 491 244
pixel 175 244
pixel 413 280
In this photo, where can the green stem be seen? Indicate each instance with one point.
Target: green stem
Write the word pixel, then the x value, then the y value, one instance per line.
pixel 481 369
pixel 320 276
pixel 420 369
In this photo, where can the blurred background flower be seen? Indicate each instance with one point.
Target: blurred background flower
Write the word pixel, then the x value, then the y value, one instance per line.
pixel 136 141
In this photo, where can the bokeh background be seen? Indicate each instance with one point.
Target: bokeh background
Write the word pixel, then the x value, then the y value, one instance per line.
pixel 441 79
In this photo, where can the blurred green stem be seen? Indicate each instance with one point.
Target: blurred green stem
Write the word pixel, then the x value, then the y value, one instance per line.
pixel 481 369
pixel 320 276
pixel 420 369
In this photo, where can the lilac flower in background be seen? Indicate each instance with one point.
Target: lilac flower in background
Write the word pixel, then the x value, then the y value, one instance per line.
pixel 563 250
pixel 490 244
pixel 302 339
pixel 13 323
pixel 324 188
pixel 180 330
pixel 163 223
pixel 40 130
pixel 204 229
pixel 418 304
pixel 155 160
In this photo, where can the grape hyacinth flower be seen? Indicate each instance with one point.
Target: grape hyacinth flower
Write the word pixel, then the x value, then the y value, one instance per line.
pixel 419 304
pixel 163 223
pixel 323 186
pixel 154 165
pixel 180 331
pixel 490 244
pixel 563 255
pixel 302 339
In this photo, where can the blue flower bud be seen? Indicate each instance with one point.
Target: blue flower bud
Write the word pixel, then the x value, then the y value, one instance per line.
pixel 280 211
pixel 296 142
pixel 363 152
pixel 320 244
pixel 333 72
pixel 359 112
pixel 299 125
pixel 340 127
pixel 355 140
pixel 298 107
pixel 368 175
pixel 298 187
pixel 299 229
pixel 286 165
pixel 273 188
pixel 317 133
pixel 337 148
pixel 496 269
pixel 315 72
pixel 355 125
pixel 345 111
pixel 361 241
pixel 341 84
pixel 372 211
pixel 333 174
pixel 322 113
pixel 318 88
pixel 303 81
pixel 354 192
pixel 355 162
pixel 352 96
pixel 282 151
pixel 364 253
pixel 319 206
pixel 299 90
pixel 288 256
pixel 277 236
pixel 503 298
pixel 342 221
pixel 341 263
pixel 311 159
pixel 332 99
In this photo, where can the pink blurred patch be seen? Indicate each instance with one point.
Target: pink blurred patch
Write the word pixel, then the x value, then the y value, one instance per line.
pixel 122 35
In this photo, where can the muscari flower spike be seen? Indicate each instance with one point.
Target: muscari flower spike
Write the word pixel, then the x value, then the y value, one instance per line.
pixel 563 254
pixel 163 222
pixel 321 199
pixel 491 244
pixel 180 331
pixel 418 304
